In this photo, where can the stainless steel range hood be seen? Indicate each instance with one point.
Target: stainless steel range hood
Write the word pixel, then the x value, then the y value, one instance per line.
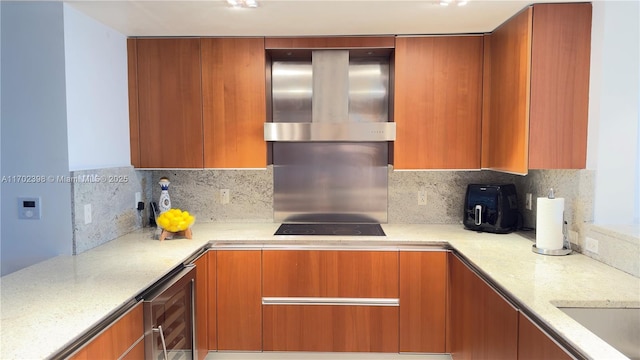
pixel 333 89
pixel 330 134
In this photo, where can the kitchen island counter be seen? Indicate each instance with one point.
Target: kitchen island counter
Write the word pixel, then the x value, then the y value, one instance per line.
pixel 50 304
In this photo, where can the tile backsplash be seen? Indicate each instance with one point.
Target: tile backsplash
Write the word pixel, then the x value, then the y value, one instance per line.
pixel 111 194
pixel 251 200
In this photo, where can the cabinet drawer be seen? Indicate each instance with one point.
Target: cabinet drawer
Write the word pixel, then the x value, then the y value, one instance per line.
pixel 330 328
pixel 329 273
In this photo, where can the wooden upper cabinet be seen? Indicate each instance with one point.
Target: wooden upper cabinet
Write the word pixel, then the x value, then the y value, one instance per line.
pixel 507 142
pixel 560 68
pixel 438 102
pixel 169 100
pixel 539 90
pixel 234 102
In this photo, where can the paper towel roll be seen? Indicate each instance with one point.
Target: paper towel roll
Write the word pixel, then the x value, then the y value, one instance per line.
pixel 550 217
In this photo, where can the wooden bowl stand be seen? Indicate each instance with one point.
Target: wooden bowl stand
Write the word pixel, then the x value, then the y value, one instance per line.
pixel 186 233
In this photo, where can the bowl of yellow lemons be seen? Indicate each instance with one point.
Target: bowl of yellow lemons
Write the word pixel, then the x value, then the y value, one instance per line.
pixel 175 220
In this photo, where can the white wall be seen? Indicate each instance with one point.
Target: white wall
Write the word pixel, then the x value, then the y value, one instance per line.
pixel 97 101
pixel 34 132
pixel 613 149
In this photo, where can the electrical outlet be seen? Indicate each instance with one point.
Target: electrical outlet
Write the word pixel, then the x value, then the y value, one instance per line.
pixel 87 214
pixel 138 199
pixel 422 198
pixel 592 245
pixel 528 202
pixel 573 237
pixel 224 196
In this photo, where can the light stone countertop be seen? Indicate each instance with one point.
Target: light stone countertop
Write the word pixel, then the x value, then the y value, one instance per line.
pixel 46 306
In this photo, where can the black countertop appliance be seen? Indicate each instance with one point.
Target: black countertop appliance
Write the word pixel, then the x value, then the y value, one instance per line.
pixel 491 208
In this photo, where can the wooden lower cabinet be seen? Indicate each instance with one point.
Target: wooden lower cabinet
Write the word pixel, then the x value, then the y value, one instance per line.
pixel 423 288
pixel 203 301
pixel 239 300
pixel 534 344
pixel 483 324
pixel 330 273
pixel 330 328
pixel 117 340
pixel 499 326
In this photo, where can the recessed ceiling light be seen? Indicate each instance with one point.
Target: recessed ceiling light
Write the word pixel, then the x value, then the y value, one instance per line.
pixel 455 2
pixel 243 3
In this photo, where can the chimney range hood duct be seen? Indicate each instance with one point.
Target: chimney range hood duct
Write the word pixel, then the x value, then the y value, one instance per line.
pixel 330 105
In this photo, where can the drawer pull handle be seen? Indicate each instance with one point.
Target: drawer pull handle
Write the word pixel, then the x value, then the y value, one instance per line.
pixel 330 301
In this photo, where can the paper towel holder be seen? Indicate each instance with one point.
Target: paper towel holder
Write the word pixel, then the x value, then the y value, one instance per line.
pixel 555 252
pixel 566 245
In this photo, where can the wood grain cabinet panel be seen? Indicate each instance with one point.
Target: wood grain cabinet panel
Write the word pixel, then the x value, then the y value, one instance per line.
pixel 539 90
pixel 464 329
pixel 239 300
pixel 328 273
pixel 438 102
pixel 116 339
pixel 331 328
pixel 423 286
pixel 202 300
pixel 169 103
pixel 499 327
pixel 234 102
pixel 336 42
pixel 534 344
pixel 483 324
pixel 507 142
pixel 212 298
pixel 560 68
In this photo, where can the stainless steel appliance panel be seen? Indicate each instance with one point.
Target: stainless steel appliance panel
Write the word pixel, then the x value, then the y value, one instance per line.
pixel 169 318
pixel 292 87
pixel 330 182
pixel 368 90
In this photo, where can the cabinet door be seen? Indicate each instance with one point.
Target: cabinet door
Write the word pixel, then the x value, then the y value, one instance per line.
pixel 534 344
pixel 539 90
pixel 330 328
pixel 169 103
pixel 329 273
pixel 202 305
pixel 239 300
pixel 499 326
pixel 438 102
pixel 507 144
pixel 234 102
pixel 117 339
pixel 561 52
pixel 423 276
pixel 483 324
pixel 465 319
pixel 212 298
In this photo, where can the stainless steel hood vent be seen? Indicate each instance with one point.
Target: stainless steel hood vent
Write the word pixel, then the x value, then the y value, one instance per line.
pixel 330 134
pixel 348 100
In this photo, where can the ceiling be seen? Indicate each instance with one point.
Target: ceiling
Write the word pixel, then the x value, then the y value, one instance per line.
pixel 299 17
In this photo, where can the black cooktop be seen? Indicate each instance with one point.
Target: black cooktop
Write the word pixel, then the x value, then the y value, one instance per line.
pixel 331 229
